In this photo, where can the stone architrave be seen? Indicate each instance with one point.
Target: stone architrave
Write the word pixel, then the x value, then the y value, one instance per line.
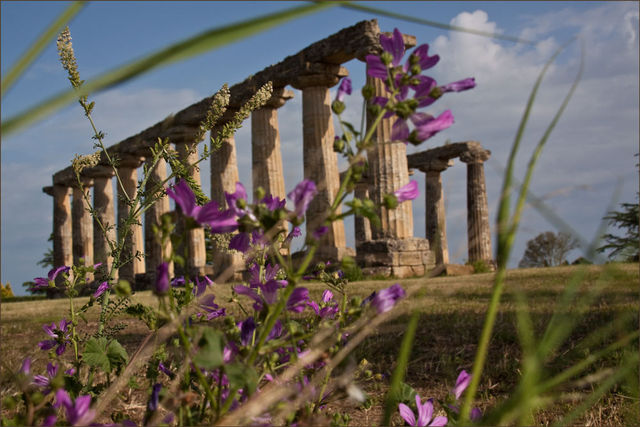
pixel 266 158
pixel 388 171
pixel 224 176
pixel 478 229
pixel 133 241
pixel 155 254
pixel 435 223
pixel 104 231
pixel 62 227
pixel 320 161
pixel 82 225
pixel 195 247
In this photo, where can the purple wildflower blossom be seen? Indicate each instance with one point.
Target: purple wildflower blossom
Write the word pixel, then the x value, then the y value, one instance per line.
pixel 344 89
pixel 162 279
pixel 41 282
pixel 165 370
pixel 302 195
pixel 461 383
pixel 178 281
pixel 244 290
pixel 212 310
pixel 184 197
pixel 233 198
pixel 247 327
pixel 201 286
pixel 424 60
pixel 393 45
pixel 296 232
pixel 152 405
pixel 240 242
pixel 26 366
pixel 273 203
pixel 101 289
pixel 425 413
pixel 298 300
pixel 407 192
pixel 384 300
pixel 60 334
pixel 78 412
pixel 320 231
pixel 44 381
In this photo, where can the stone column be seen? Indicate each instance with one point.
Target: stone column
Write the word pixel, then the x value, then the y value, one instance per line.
pixel 388 171
pixel 62 228
pixel 195 245
pixel 82 225
pixel 435 223
pixel 104 205
pixel 361 224
pixel 320 161
pixel 154 254
pixel 133 242
pixel 224 176
pixel 478 230
pixel 266 158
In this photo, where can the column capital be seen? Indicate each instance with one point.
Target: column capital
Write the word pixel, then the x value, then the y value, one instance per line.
pixel 129 160
pixel 279 97
pixel 475 156
pixel 319 74
pixel 99 171
pixel 48 190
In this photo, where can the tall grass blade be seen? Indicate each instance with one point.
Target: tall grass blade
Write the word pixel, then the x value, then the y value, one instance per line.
pixel 39 45
pixel 506 235
pixel 182 50
pixel 391 401
pixel 414 19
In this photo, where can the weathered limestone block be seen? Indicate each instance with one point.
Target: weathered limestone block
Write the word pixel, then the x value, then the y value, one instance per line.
pixel 82 224
pixel 397 257
pixel 478 229
pixel 62 228
pixel 133 240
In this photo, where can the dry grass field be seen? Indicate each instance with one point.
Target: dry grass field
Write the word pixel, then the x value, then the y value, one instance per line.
pixel 452 313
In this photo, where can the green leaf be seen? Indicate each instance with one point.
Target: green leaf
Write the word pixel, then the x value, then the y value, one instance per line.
pixel 209 355
pixel 241 376
pixel 95 354
pixel 116 354
pixel 179 51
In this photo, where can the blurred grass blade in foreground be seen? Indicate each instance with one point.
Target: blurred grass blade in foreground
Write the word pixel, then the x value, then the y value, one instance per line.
pixel 181 50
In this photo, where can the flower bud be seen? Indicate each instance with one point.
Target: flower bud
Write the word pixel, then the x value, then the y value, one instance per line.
pixel 337 107
pixel 123 288
pixel 338 145
pixel 390 201
pixel 386 58
pixel 415 69
pixel 368 92
pixel 260 193
pixel 374 109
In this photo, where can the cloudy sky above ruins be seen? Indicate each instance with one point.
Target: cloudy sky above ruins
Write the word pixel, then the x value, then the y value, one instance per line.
pixel 588 163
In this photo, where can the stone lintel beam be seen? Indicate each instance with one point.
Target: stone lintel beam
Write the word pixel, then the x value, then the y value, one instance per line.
pixel 436 165
pixel 48 190
pixel 318 74
pixel 352 42
pixel 279 97
pixel 444 152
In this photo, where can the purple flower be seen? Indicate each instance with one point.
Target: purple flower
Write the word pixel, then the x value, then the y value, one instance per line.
pixel 44 381
pixel 26 366
pixel 384 300
pixel 152 405
pixel 459 86
pixel 78 412
pixel 60 334
pixel 424 60
pixel 243 290
pixel 298 300
pixel 101 289
pixel 184 197
pixel 428 91
pixel 294 233
pixel 240 242
pixel 162 279
pixel 425 413
pixel 394 46
pixel 273 203
pixel 247 327
pixel 327 296
pixel 302 196
pixel 344 89
pixel 212 310
pixel 42 282
pixel 407 192
pixel 425 124
pixel 165 370
pixel 320 231
pixel 200 287
pixel 461 383
pixel 233 198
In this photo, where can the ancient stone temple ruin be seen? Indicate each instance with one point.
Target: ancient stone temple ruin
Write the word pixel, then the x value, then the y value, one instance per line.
pixel 391 249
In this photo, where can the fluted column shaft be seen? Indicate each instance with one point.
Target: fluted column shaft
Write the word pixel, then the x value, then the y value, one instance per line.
pixel 82 225
pixel 478 229
pixel 435 223
pixel 321 164
pixel 104 205
pixel 266 157
pixel 195 245
pixel 389 171
pixel 224 176
pixel 62 227
pixel 133 241
pixel 154 254
pixel 361 224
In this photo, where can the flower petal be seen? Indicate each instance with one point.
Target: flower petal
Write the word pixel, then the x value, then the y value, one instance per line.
pixel 407 414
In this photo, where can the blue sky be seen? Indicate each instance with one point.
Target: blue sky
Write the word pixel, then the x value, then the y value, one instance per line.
pixel 588 157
